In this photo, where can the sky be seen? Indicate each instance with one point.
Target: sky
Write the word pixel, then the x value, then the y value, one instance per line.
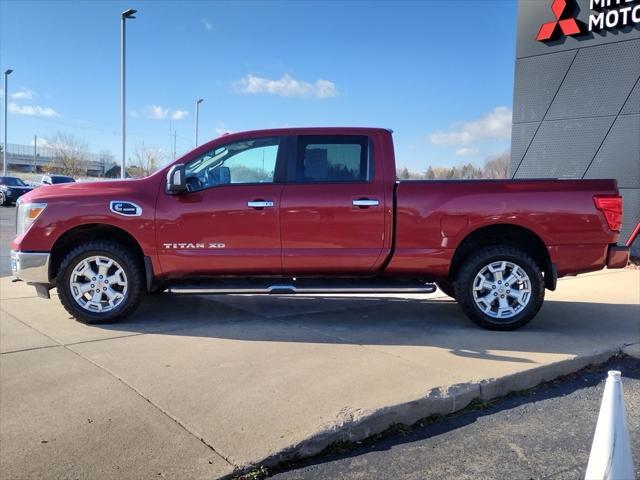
pixel 437 72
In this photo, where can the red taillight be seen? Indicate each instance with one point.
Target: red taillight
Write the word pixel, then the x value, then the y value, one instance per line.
pixel 611 206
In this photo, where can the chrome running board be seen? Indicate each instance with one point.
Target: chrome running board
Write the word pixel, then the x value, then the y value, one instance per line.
pixel 307 288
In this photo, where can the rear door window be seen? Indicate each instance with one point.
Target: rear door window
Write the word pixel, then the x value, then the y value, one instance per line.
pixel 333 158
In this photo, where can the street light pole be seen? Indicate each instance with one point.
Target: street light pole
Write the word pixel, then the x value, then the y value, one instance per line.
pixel 198 102
pixel 6 102
pixel 126 14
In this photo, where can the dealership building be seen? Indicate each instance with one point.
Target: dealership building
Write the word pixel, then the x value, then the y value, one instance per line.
pixel 576 107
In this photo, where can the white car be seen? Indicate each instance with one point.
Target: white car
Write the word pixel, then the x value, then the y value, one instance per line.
pixel 56 179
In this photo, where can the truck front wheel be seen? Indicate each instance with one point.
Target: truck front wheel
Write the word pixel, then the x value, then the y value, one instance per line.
pixel 100 282
pixel 500 288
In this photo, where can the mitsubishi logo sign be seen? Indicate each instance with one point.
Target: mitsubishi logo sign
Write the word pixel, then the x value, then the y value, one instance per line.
pixel 605 15
pixel 564 22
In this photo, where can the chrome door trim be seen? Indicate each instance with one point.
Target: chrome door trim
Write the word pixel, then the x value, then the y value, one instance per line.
pixel 260 203
pixel 366 202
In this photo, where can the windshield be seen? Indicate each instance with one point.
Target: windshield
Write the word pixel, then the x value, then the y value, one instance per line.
pixel 12 182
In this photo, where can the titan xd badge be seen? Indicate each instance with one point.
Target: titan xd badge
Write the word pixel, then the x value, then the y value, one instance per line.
pixel 186 245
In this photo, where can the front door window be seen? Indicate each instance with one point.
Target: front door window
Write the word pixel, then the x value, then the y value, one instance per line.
pixel 243 162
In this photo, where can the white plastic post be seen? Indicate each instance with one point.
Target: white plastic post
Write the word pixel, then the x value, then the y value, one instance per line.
pixel 610 457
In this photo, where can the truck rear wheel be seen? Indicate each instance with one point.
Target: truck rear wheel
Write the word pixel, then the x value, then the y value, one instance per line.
pixel 100 282
pixel 500 288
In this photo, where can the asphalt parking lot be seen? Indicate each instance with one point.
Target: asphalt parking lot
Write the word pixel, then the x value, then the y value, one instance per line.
pixel 198 387
pixel 544 433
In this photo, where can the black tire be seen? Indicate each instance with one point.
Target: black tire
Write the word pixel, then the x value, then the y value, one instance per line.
pixel 133 270
pixel 3 200
pixel 447 288
pixel 158 291
pixel 473 266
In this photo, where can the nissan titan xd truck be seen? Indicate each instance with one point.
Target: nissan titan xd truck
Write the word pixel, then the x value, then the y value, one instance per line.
pixel 312 210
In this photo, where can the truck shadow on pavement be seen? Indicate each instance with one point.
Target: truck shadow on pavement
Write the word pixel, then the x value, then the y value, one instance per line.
pixel 560 327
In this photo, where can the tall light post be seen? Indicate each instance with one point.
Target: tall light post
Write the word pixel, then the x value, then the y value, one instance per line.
pixel 6 102
pixel 198 102
pixel 126 14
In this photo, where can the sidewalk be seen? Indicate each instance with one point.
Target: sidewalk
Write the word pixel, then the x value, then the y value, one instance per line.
pixel 196 387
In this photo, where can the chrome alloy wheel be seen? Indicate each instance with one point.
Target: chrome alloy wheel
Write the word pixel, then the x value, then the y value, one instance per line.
pixel 98 284
pixel 501 289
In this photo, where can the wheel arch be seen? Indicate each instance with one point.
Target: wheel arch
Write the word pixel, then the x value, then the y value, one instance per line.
pixel 88 232
pixel 505 234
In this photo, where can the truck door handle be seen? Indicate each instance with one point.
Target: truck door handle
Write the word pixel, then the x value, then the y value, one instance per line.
pixel 365 202
pixel 260 203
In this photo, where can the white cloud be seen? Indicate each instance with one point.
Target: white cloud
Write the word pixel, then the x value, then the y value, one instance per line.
pixel 207 24
pixel 32 110
pixel 156 112
pixel 42 143
pixel 179 114
pixel 325 89
pixel 287 86
pixel 134 113
pixel 466 151
pixel 23 93
pixel 493 125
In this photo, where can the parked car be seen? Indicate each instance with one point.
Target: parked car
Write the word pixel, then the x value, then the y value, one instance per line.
pixel 56 179
pixel 12 188
pixel 313 210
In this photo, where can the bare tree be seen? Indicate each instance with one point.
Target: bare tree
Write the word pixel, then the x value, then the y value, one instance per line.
pixel 430 174
pixel 497 166
pixel 403 174
pixel 71 152
pixel 146 160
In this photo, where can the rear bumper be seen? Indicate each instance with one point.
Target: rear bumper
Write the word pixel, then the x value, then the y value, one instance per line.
pixel 618 256
pixel 31 267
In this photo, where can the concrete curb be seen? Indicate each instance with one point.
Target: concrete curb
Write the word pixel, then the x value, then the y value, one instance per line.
pixel 498 387
pixel 355 424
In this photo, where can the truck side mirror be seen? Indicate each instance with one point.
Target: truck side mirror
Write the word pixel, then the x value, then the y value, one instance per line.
pixel 176 180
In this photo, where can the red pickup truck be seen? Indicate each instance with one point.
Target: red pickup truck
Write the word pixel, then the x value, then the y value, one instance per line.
pixel 313 210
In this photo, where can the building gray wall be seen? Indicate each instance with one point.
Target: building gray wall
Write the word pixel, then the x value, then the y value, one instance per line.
pixel 576 108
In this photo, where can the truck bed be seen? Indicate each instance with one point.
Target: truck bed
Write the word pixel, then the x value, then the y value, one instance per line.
pixel 433 217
